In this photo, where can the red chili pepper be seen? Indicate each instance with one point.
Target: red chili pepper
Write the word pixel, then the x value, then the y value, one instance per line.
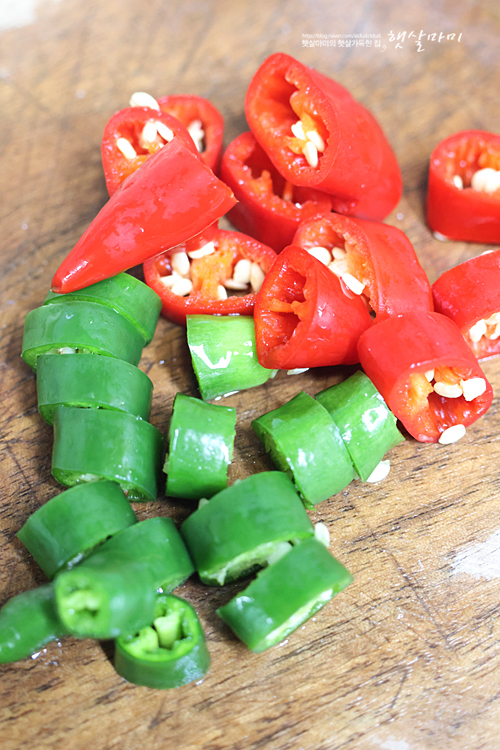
pixel 355 162
pixel 305 316
pixel 129 128
pixel 456 206
pixel 428 376
pixel 469 294
pixel 202 119
pixel 380 258
pixel 173 197
pixel 208 274
pixel 269 208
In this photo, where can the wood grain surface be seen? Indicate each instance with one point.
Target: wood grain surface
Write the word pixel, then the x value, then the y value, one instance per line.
pixel 408 656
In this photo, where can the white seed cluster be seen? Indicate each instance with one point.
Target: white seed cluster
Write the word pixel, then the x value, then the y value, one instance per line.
pixel 335 260
pixel 486 180
pixel 195 130
pixel 313 142
pixel 488 327
pixel 469 389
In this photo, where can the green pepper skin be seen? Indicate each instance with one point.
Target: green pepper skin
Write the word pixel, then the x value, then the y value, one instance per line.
pixel 91 382
pixel 224 355
pixel 28 622
pixel 303 440
pixel 285 595
pixel 201 439
pixel 88 327
pixel 366 424
pixel 187 660
pixel 131 298
pixel 65 530
pixel 263 509
pixel 93 444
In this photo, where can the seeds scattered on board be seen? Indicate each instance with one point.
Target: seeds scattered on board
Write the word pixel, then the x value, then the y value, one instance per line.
pixel 452 434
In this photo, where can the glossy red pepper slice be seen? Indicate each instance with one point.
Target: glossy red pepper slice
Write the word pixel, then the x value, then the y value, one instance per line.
pixel 469 294
pixel 357 164
pixel 416 357
pixel 207 274
pixel 269 207
pixel 380 256
pixel 305 316
pixel 189 109
pixel 171 198
pixel 454 209
pixel 130 124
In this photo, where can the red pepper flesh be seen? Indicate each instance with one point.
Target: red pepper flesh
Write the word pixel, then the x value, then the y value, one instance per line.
pixel 189 108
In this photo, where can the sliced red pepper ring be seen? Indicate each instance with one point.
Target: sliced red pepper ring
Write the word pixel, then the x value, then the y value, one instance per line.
pixel 270 208
pixel 373 259
pixel 463 197
pixel 305 317
pixel 195 278
pixel 171 198
pixel 318 136
pixel 469 294
pixel 426 373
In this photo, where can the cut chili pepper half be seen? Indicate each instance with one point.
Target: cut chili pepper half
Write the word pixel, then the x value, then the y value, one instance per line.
pixel 270 208
pixel 305 316
pixel 427 375
pixel 318 135
pixel 373 259
pixel 469 294
pixel 463 197
pixel 208 276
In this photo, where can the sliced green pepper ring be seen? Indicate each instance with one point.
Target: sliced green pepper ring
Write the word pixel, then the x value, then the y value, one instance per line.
pixel 79 327
pixel 91 382
pixel 124 293
pixel 365 422
pixel 285 595
pixel 201 439
pixel 170 652
pixel 245 525
pixel 304 442
pixel 95 444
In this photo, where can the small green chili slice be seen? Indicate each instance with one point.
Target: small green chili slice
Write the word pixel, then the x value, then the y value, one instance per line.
pixel 168 653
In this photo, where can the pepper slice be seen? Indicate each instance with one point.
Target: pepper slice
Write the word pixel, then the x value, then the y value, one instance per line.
pixel 124 293
pixel 28 622
pixel 285 595
pixel 195 279
pixel 427 375
pixel 336 145
pixel 131 136
pixel 304 317
pixel 65 530
pixel 239 529
pixel 469 294
pixel 374 260
pixel 94 444
pixel 270 208
pixel 304 442
pixel 169 652
pixel 463 199
pixel 367 426
pixel 79 327
pixel 201 439
pixel 224 355
pixel 173 197
pixel 92 382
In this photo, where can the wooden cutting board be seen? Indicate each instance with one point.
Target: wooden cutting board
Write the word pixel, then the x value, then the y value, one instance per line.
pixel 407 657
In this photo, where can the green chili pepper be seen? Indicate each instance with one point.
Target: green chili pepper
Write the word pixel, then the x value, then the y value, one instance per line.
pixel 81 327
pixel 224 355
pixel 303 441
pixel 93 444
pixel 170 652
pixel 65 530
pixel 93 382
pixel 201 439
pixel 239 529
pixel 124 293
pixel 285 595
pixel 28 622
pixel 367 426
